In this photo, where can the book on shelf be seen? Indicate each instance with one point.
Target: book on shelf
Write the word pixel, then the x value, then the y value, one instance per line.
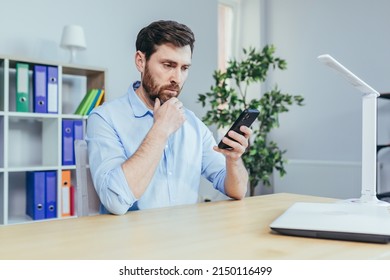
pixel 52 89
pixel 97 101
pixel 41 194
pixel 92 104
pixel 92 99
pixel 65 193
pixel 40 89
pixel 71 130
pixel 83 102
pixel 22 88
pixel 100 100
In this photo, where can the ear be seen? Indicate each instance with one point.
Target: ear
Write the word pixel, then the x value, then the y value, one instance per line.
pixel 140 61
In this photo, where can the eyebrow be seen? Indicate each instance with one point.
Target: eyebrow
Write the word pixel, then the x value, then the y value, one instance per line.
pixel 167 60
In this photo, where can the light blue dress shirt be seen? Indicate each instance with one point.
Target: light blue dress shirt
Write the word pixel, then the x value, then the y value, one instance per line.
pixel 116 129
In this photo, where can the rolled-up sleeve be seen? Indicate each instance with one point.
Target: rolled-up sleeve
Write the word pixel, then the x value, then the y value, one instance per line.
pixel 106 155
pixel 213 163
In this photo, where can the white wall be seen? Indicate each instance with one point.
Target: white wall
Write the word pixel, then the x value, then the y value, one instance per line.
pixel 323 138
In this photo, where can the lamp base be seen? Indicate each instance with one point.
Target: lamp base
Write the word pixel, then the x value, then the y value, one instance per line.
pixel 72 58
pixel 365 200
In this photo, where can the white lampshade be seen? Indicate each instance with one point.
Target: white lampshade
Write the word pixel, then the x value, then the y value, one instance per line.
pixel 73 39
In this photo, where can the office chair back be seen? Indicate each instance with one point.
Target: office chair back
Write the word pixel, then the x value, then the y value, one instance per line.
pixel 87 200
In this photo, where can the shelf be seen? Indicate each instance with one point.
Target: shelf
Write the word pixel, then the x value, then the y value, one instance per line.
pixel 75 117
pixel 32 141
pixel 32 168
pixel 28 115
pixel 42 145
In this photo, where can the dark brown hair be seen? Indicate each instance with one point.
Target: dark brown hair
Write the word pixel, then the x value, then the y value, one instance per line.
pixel 163 32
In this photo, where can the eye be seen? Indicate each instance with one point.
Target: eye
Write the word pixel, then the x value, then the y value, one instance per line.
pixel 168 65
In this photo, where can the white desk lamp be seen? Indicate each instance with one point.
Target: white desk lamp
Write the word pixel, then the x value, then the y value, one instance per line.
pixel 73 39
pixel 369 125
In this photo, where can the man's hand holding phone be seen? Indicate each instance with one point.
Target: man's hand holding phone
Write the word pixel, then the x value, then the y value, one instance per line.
pixel 235 141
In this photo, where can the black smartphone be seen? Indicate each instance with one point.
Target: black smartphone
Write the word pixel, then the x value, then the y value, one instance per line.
pixel 246 118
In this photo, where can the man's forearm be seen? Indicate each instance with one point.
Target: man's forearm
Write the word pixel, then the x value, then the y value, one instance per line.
pixel 236 181
pixel 141 166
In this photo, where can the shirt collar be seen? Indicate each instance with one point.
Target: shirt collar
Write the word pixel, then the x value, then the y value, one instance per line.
pixel 139 108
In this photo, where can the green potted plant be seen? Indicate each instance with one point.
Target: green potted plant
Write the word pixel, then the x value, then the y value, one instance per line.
pixel 228 97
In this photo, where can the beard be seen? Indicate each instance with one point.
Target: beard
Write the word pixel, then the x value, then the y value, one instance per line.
pixel 162 92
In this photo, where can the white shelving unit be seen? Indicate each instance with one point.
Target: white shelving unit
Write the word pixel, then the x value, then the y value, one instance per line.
pixel 33 141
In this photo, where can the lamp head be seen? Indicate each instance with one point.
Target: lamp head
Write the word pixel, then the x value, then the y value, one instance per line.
pixel 73 39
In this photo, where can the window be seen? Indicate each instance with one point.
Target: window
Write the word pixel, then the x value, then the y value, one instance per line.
pixel 227 39
pixel 227 35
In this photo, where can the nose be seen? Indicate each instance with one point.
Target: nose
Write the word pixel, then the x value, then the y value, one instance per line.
pixel 176 76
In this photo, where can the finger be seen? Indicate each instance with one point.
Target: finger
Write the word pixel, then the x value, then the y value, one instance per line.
pixel 235 146
pixel 246 130
pixel 228 153
pixel 157 104
pixel 177 103
pixel 173 100
pixel 237 137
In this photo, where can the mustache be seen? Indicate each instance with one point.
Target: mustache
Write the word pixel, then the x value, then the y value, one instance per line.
pixel 174 87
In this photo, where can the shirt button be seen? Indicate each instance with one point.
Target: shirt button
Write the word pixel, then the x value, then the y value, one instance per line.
pixel 170 173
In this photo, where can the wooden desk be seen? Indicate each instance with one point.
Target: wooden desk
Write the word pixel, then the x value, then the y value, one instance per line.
pixel 214 230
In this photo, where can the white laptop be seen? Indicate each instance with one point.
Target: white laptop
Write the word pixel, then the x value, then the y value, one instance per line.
pixel 366 219
pixel 339 220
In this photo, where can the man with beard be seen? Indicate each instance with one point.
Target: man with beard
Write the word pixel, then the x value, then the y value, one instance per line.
pixel 145 149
